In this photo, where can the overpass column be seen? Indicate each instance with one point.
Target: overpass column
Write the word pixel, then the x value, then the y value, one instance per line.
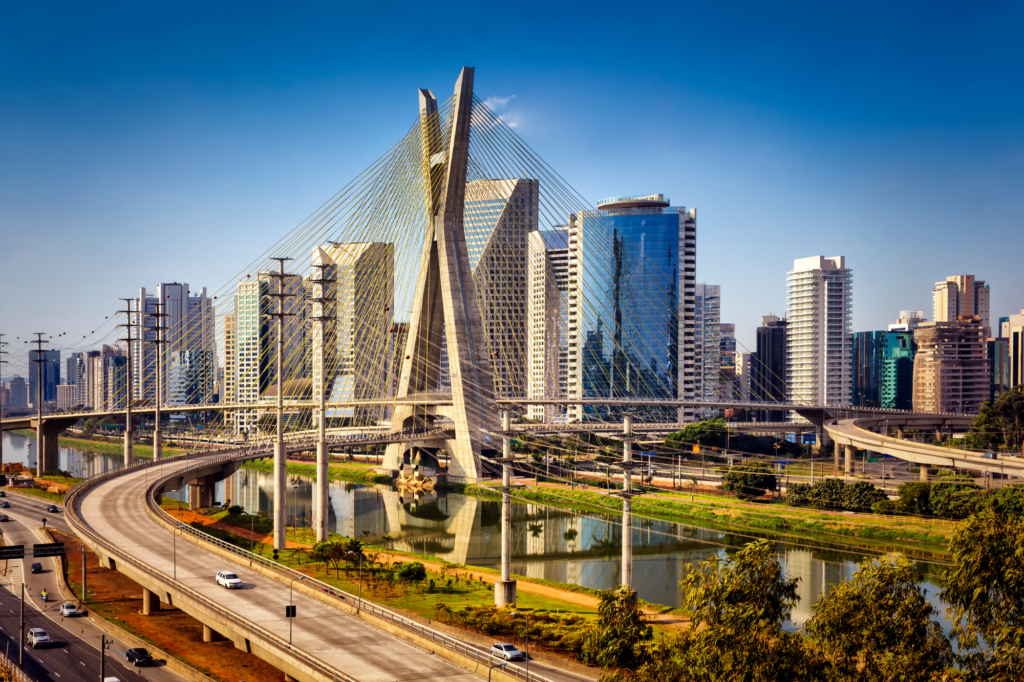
pixel 505 589
pixel 924 473
pixel 848 465
pixel 150 602
pixel 837 448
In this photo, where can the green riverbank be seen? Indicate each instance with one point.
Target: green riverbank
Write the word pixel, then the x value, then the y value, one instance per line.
pixel 106 447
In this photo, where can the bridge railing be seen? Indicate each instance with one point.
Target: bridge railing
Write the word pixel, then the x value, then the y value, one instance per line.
pixel 284 571
pixel 354 601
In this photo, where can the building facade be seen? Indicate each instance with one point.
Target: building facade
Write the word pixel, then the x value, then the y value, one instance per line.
pixel 951 367
pixel 18 389
pixel 1014 327
pixel 819 332
pixel 707 336
pixel 868 357
pixel 768 367
pixel 897 383
pixel 547 319
pixel 997 351
pixel 50 363
pixel 66 395
pixel 632 287
pixel 958 296
pixel 908 321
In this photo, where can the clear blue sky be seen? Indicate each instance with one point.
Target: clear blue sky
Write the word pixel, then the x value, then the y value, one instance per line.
pixel 142 144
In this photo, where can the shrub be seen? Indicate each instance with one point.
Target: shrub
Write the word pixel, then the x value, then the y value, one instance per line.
pixel 750 479
pixel 412 572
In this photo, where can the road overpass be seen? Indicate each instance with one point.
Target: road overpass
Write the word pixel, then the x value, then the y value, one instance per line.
pixel 335 636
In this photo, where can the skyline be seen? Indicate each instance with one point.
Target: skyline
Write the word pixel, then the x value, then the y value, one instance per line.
pixel 214 139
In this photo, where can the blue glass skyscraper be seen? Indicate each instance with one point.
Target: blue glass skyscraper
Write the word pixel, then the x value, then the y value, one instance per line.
pixel 632 267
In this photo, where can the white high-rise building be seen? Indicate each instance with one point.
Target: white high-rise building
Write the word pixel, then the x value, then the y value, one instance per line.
pixel 358 339
pixel 547 319
pixel 909 320
pixel 707 334
pixel 819 334
pixel 961 295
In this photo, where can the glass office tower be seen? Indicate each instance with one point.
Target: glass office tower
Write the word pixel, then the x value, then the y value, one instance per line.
pixel 632 264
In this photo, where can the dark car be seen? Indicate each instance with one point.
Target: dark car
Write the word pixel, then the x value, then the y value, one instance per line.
pixel 3 517
pixel 3 494
pixel 37 567
pixel 5 505
pixel 53 509
pixel 138 657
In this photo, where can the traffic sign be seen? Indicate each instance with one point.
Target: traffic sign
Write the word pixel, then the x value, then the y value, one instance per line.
pixel 48 549
pixel 289 612
pixel 12 552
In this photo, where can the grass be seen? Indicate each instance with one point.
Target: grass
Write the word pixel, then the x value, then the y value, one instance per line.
pixel 56 498
pixel 336 472
pixel 105 447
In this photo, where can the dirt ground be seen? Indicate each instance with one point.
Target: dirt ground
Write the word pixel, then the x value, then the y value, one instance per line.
pixel 117 598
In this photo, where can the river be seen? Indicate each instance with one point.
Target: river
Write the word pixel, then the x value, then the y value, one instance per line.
pixel 547 543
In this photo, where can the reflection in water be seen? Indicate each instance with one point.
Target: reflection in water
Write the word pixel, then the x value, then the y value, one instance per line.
pixel 80 463
pixel 547 543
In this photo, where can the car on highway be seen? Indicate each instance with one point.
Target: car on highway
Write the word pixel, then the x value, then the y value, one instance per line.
pixel 53 509
pixel 228 580
pixel 37 637
pixel 5 504
pixel 3 494
pixel 37 567
pixel 4 517
pixel 507 651
pixel 138 657
pixel 69 610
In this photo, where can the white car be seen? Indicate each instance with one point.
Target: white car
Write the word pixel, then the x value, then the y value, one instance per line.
pixel 228 580
pixel 68 609
pixel 37 637
pixel 507 651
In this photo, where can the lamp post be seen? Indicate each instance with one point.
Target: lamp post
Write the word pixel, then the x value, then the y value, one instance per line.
pixel 174 545
pixel 295 509
pixel 291 602
pixel 360 555
pixel 492 667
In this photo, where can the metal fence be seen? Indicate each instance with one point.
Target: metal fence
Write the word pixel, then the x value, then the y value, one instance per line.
pixel 270 639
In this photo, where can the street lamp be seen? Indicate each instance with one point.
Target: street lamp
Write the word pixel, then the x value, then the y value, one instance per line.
pixel 295 507
pixel 174 545
pixel 360 555
pixel 527 617
pixel 291 602
pixel 493 666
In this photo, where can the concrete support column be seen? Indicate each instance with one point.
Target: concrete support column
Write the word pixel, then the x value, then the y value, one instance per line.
pixel 848 465
pixel 129 446
pixel 47 449
pixel 150 602
pixel 320 496
pixel 505 589
pixel 899 433
pixel 158 443
pixel 924 473
pixel 837 449
pixel 200 495
pixel 211 635
pixel 627 505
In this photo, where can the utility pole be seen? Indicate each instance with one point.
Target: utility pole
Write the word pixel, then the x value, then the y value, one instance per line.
pixel 41 459
pixel 505 589
pixel 627 505
pixel 2 403
pixel 103 661
pixel 280 465
pixel 21 639
pixel 328 312
pixel 129 440
pixel 158 435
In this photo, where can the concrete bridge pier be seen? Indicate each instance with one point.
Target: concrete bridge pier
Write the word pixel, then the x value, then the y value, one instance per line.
pixel 848 464
pixel 320 491
pixel 47 437
pixel 200 493
pixel 924 473
pixel 837 448
pixel 211 635
pixel 150 602
pixel 505 589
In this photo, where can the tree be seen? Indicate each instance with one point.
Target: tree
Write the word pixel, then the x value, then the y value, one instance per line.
pixel 985 594
pixel 861 496
pixel 879 627
pixel 709 432
pixel 412 572
pixel 1001 424
pixel 750 478
pixel 619 639
pixel 915 498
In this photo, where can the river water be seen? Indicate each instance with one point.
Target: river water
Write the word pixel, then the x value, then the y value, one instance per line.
pixel 547 543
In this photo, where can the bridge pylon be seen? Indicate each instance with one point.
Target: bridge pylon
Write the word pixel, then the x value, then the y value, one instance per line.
pixel 446 304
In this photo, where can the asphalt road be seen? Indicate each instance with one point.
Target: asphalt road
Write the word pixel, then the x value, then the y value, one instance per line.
pixel 74 652
pixel 114 510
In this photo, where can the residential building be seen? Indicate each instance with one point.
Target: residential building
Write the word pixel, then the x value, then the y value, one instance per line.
pixel 51 375
pixel 547 319
pixel 74 375
pixel 1015 333
pixel 707 361
pixel 868 357
pixel 744 370
pixel 961 295
pixel 257 333
pixel 18 392
pixel 897 383
pixel 951 367
pixel 359 337
pixel 819 337
pixel 229 390
pixel 107 375
pixel 997 351
pixel 632 308
pixel 768 367
pixel 908 321
pixel 66 395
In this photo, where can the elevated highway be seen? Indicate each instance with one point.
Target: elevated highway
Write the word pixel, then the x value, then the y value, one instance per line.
pixel 857 434
pixel 335 636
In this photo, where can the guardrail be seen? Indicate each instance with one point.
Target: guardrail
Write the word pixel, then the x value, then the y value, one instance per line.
pixel 251 630
pixel 354 601
pixel 277 643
